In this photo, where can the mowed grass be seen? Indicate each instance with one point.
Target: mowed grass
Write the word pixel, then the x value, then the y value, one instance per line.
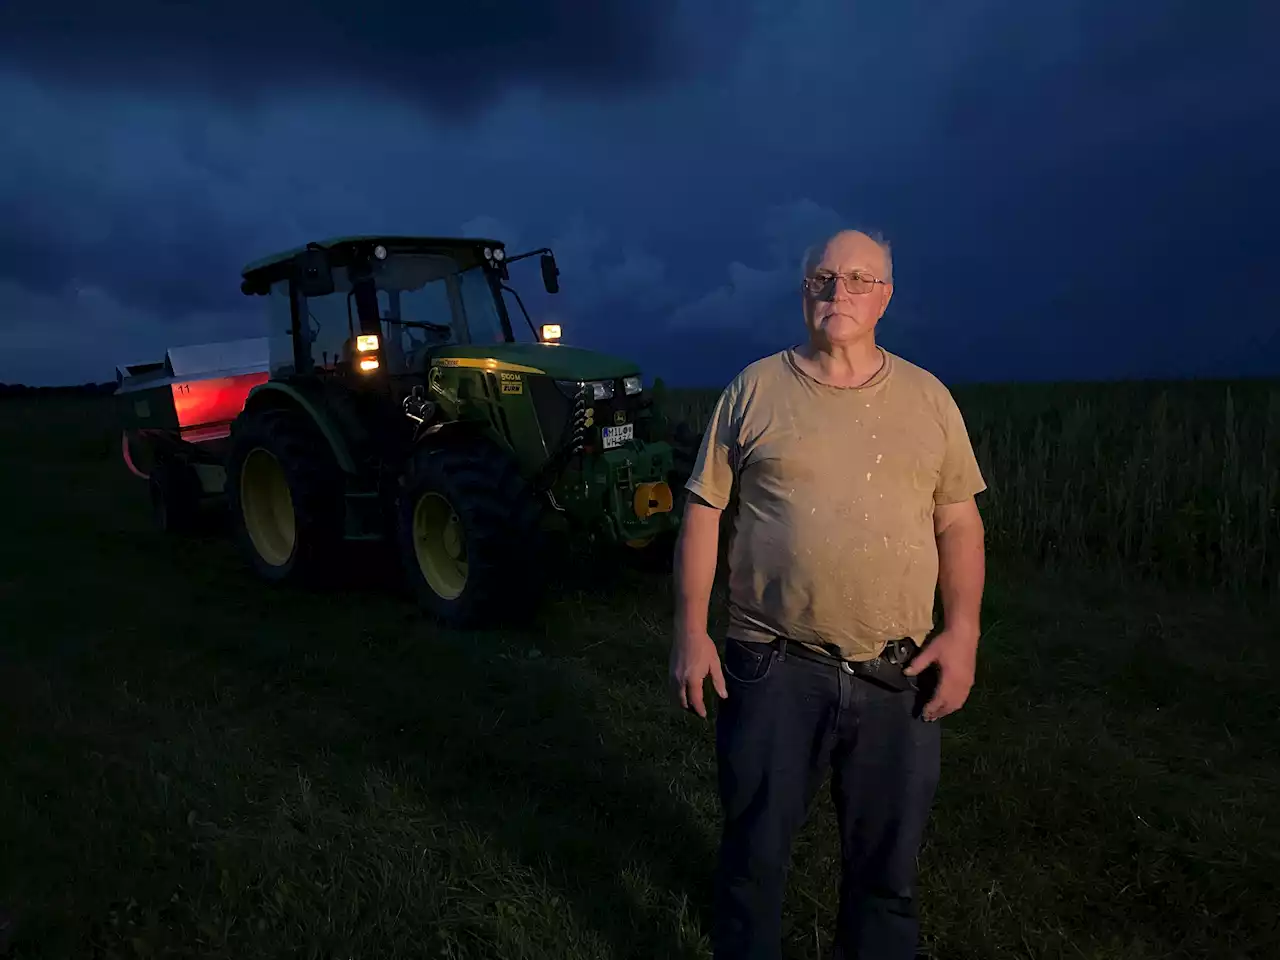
pixel 195 764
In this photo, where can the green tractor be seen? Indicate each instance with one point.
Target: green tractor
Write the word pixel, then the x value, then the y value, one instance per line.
pixel 398 405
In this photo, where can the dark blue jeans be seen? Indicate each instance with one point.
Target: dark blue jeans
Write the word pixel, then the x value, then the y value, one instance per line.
pixel 785 723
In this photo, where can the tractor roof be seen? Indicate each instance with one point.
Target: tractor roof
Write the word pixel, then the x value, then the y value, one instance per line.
pixel 277 266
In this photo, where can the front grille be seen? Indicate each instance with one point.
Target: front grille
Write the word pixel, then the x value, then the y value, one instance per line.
pixel 554 404
pixel 553 409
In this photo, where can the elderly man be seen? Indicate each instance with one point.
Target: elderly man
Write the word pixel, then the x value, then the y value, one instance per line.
pixel 856 482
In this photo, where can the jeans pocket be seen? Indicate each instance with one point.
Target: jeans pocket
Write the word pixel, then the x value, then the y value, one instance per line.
pixel 746 662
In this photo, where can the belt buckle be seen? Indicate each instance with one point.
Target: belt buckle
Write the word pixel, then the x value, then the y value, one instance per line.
pixel 846 667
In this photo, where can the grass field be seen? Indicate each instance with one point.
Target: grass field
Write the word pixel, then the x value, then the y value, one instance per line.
pixel 196 765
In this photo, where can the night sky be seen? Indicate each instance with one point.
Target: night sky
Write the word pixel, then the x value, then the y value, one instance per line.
pixel 1073 190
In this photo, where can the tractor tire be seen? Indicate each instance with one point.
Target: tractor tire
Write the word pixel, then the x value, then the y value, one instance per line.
pixel 285 497
pixel 175 497
pixel 469 535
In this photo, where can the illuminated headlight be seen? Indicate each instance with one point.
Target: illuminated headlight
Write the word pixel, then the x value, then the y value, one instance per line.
pixel 602 389
pixel 369 364
pixel 367 342
pixel 632 385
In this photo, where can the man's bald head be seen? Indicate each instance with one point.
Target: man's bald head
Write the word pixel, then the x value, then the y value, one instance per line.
pixel 855 244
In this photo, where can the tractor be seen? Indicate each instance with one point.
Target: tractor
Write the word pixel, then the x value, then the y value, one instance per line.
pixel 391 400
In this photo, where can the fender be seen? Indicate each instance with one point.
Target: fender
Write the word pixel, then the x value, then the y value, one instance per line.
pixel 274 394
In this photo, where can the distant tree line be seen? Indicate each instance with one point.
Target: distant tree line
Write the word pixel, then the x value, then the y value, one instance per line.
pixel 73 390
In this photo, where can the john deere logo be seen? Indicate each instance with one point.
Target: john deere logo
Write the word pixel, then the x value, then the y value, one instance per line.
pixel 619 417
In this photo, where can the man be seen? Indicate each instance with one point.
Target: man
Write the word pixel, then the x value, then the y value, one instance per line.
pixel 855 482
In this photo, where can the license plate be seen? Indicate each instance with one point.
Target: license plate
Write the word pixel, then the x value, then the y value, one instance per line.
pixel 617 436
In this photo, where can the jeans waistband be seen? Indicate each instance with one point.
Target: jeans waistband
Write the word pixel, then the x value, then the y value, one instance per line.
pixel 885 669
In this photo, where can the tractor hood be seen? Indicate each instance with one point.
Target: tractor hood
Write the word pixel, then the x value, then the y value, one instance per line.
pixel 554 360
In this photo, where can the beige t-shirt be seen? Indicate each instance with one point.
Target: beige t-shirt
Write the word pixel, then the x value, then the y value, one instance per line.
pixel 833 543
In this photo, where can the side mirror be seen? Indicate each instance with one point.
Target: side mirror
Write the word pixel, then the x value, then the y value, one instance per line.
pixel 315 276
pixel 550 273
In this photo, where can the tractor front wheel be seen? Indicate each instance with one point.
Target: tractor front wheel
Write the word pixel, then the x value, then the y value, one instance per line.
pixel 468 530
pixel 284 491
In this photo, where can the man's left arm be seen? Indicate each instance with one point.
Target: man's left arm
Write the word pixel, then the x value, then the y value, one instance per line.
pixel 961 540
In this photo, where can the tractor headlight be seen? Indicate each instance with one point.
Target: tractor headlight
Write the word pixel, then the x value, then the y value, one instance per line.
pixel 600 389
pixel 632 385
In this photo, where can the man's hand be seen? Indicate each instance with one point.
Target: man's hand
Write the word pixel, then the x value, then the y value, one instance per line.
pixel 955 652
pixel 693 659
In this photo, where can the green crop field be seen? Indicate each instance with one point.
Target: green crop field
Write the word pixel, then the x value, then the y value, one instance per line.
pixel 194 764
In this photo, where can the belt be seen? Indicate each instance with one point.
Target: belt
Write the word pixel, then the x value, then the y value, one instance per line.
pixel 885 669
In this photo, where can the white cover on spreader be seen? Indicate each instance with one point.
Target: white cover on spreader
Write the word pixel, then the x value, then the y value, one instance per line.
pixel 200 360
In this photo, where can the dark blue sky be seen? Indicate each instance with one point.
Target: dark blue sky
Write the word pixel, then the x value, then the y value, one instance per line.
pixel 1072 190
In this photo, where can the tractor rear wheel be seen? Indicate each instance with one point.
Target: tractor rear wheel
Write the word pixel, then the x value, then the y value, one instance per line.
pixel 469 535
pixel 284 490
pixel 175 496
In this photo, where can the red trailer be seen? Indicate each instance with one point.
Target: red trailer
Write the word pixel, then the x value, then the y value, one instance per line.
pixel 177 416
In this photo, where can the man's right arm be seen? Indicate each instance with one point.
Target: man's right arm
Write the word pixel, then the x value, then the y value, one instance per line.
pixel 697 550
pixel 693 652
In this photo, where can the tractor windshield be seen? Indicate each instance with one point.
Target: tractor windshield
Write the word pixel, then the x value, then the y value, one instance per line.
pixel 424 302
pixel 484 322
pixel 415 308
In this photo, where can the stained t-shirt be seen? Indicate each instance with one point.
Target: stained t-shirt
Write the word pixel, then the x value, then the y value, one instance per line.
pixel 833 541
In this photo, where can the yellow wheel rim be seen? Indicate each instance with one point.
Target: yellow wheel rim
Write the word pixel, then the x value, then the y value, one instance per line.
pixel 439 545
pixel 267 507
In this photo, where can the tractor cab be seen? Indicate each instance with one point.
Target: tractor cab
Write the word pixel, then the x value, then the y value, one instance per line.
pixel 374 310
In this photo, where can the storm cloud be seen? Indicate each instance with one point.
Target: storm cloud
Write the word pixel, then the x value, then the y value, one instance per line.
pixel 450 56
pixel 1072 188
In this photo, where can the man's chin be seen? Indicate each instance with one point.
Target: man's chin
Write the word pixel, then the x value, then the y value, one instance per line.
pixel 840 329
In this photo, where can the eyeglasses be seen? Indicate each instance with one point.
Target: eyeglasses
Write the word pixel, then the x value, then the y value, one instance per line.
pixel 823 284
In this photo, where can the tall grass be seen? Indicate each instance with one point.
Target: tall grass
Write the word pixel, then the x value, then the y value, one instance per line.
pixel 1177 483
